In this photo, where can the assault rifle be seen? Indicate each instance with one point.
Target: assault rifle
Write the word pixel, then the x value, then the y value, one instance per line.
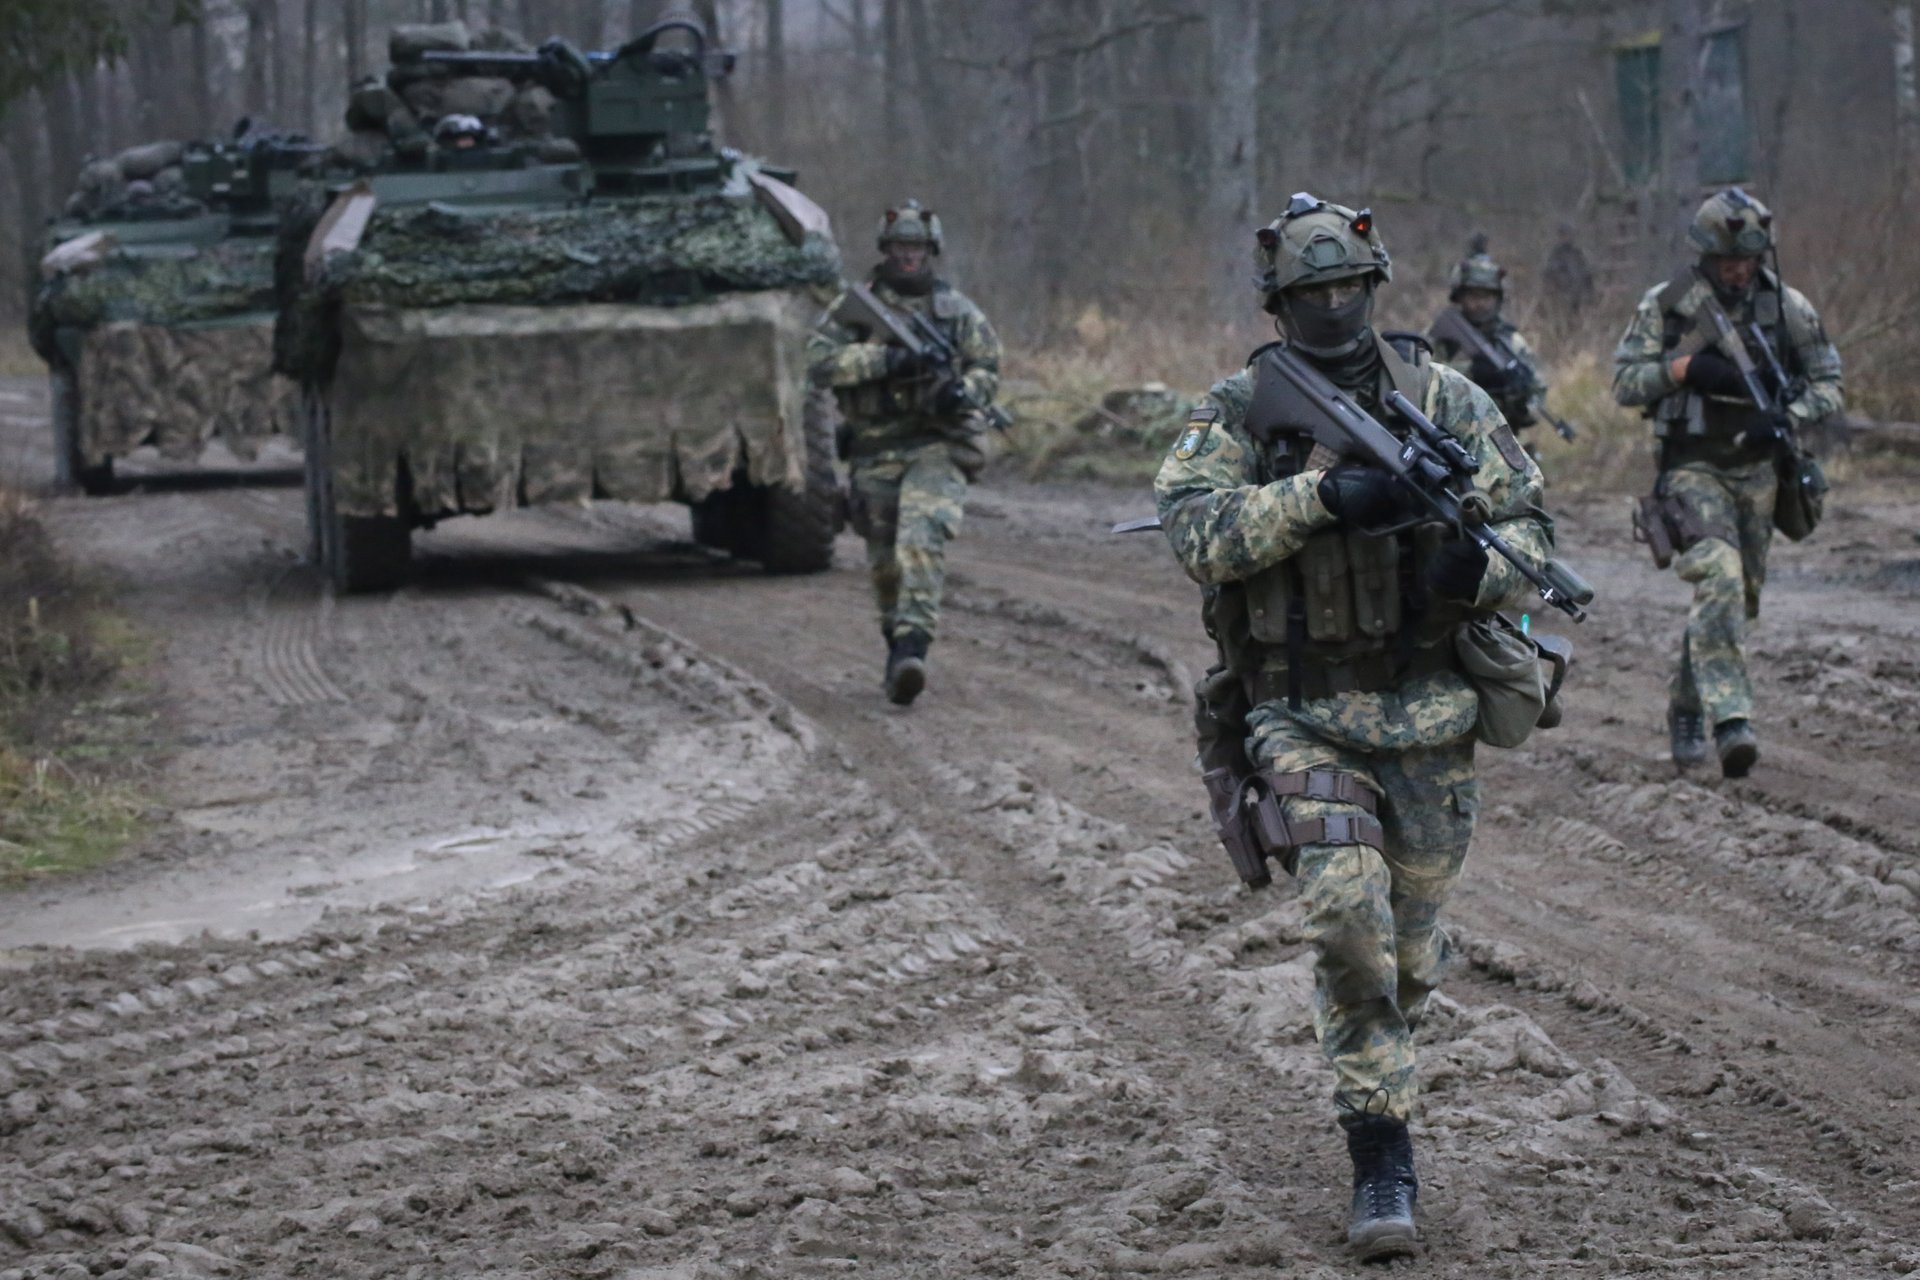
pixel 1433 465
pixel 1454 327
pixel 922 337
pixel 1773 404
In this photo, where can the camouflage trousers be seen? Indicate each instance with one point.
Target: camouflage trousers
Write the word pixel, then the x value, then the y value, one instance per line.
pixel 1373 916
pixel 1727 567
pixel 907 503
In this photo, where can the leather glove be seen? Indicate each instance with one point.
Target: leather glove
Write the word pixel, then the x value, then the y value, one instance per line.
pixel 902 363
pixel 1456 569
pixel 1712 374
pixel 1365 496
pixel 950 398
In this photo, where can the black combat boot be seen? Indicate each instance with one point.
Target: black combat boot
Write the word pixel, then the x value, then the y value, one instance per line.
pixel 906 666
pixel 1384 1187
pixel 1687 730
pixel 1739 749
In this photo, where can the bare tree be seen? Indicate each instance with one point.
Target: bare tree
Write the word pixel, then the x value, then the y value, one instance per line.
pixel 1233 169
pixel 1906 108
pixel 1682 75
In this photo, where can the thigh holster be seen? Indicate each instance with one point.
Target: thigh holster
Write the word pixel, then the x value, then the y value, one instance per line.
pixel 1253 825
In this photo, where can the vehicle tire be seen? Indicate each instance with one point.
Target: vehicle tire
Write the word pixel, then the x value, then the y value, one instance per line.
pixel 71 469
pixel 357 553
pixel 727 519
pixel 796 535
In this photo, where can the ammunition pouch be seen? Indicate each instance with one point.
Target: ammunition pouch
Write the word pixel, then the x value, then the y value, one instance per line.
pixel 1800 492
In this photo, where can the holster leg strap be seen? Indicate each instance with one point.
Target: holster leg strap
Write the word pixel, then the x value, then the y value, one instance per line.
pixel 1323 784
pixel 1332 786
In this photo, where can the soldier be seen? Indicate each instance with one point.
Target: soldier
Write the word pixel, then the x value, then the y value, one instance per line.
pixel 1477 289
pixel 913 433
pixel 1361 719
pixel 1717 453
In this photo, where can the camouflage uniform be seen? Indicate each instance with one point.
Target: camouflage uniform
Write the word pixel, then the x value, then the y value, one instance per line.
pixel 910 464
pixel 1233 508
pixel 1725 484
pixel 1516 403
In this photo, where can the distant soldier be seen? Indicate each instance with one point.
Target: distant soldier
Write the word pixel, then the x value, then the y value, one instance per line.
pixel 1494 354
pixel 1568 275
pixel 1719 454
pixel 459 132
pixel 1336 607
pixel 914 429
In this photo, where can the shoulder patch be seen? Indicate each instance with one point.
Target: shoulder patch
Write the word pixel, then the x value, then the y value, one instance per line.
pixel 1199 423
pixel 1509 446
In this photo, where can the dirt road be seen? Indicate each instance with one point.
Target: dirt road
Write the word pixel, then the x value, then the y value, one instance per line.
pixel 582 910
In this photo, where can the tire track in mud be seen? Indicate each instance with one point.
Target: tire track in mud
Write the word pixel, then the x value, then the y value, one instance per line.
pixel 1782 1204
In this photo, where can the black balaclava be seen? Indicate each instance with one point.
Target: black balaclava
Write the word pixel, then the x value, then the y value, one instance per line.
pixel 911 284
pixel 1337 339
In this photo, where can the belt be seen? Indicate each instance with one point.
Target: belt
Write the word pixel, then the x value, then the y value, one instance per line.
pixel 1362 673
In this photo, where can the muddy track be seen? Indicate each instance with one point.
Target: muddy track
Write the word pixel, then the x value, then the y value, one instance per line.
pixel 583 910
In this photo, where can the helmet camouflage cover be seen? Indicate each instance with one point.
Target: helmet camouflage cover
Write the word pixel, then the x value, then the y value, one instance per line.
pixel 1732 224
pixel 909 223
pixel 1477 270
pixel 1314 242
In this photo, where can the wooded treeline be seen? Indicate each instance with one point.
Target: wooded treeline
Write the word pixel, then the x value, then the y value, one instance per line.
pixel 1120 152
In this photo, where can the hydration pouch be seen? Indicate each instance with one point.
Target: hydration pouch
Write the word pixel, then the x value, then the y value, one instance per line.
pixel 1504 666
pixel 1800 493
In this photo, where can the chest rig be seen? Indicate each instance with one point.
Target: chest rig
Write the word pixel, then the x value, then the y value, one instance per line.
pixel 1348 612
pixel 894 399
pixel 1692 427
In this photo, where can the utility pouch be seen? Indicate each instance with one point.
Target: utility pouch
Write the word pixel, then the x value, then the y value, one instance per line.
pixel 1800 492
pixel 1504 666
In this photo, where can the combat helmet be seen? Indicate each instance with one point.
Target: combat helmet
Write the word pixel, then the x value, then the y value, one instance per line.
pixel 1315 242
pixel 1732 224
pixel 910 223
pixel 1477 270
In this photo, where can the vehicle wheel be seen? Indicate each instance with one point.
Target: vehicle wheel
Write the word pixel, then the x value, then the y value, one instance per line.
pixel 359 553
pixel 71 470
pixel 796 535
pixel 727 519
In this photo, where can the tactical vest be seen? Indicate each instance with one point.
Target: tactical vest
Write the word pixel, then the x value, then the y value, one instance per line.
pixel 1692 427
pixel 887 400
pixel 1350 607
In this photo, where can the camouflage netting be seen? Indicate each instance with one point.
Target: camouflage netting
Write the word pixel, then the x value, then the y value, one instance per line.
pixel 178 389
pixel 212 283
pixel 665 250
pixel 489 407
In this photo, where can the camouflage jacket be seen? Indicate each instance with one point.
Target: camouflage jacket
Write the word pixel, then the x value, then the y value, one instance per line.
pixel 1641 373
pixel 883 413
pixel 1516 404
pixel 1226 523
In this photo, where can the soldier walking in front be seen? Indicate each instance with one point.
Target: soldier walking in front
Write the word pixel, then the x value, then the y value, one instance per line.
pixel 914 431
pixel 1336 605
pixel 1726 445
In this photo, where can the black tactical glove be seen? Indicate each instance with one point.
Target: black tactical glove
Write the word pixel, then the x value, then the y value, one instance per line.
pixel 1489 377
pixel 1712 374
pixel 902 363
pixel 950 398
pixel 1456 569
pixel 1365 496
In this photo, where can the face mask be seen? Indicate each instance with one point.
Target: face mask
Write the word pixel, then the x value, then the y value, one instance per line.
pixel 1327 332
pixel 902 281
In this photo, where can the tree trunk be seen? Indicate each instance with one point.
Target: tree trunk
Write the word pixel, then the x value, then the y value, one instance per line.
pixel 1682 68
pixel 256 99
pixel 891 72
pixel 353 20
pixel 1906 110
pixel 774 92
pixel 65 146
pixel 1233 168
pixel 310 69
pixel 726 107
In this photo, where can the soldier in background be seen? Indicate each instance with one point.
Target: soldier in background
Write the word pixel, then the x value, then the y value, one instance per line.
pixel 913 434
pixel 1361 720
pixel 1718 454
pixel 1478 289
pixel 1568 275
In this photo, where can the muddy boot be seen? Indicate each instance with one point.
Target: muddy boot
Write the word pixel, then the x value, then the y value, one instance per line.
pixel 1739 749
pixel 906 666
pixel 1384 1187
pixel 1687 731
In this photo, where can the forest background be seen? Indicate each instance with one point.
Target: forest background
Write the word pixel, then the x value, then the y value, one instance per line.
pixel 1100 165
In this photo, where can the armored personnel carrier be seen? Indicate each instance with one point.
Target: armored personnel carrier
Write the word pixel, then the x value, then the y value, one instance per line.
pixel 155 305
pixel 576 295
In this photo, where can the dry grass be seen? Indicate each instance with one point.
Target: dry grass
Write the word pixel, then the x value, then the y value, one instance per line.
pixel 71 728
